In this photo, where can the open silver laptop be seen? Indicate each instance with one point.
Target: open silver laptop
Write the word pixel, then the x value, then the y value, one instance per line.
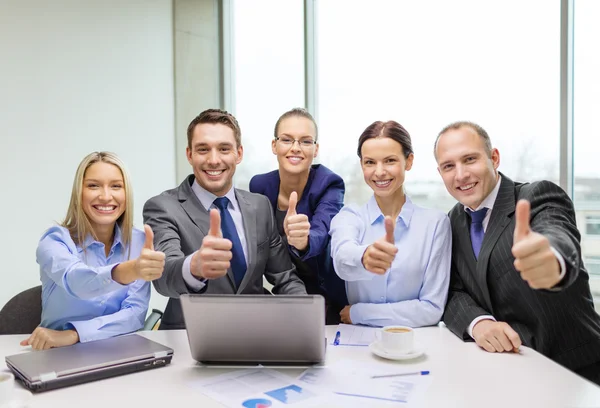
pixel 83 362
pixel 255 329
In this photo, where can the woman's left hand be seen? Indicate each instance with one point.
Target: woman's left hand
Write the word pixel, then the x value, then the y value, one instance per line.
pixel 44 339
pixel 345 315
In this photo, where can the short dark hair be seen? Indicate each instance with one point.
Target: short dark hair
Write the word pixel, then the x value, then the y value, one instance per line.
pixel 299 112
pixel 391 129
pixel 487 142
pixel 215 116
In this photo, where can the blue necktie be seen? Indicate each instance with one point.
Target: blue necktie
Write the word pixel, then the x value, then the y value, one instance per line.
pixel 238 262
pixel 477 229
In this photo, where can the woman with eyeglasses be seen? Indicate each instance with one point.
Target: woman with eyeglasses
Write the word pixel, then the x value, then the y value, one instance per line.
pixel 95 267
pixel 394 255
pixel 305 197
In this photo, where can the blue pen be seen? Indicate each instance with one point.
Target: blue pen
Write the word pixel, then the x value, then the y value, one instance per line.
pixel 401 374
pixel 336 342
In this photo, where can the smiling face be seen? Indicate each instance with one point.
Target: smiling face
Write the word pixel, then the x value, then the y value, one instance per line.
pixel 103 196
pixel 295 157
pixel 214 156
pixel 468 172
pixel 383 165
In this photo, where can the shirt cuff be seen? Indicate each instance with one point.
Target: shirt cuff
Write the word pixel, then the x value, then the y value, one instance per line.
pixel 563 267
pixel 477 320
pixel 294 251
pixel 85 329
pixel 352 268
pixel 191 281
pixel 108 284
pixel 355 314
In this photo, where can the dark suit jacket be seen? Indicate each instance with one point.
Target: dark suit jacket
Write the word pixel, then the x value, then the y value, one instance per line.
pixel 560 324
pixel 180 222
pixel 322 199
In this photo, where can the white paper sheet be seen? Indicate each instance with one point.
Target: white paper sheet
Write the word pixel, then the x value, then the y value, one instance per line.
pixel 259 388
pixel 352 378
pixel 351 335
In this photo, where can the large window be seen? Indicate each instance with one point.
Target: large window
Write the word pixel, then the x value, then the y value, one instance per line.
pixel 268 72
pixel 586 129
pixel 428 63
pixel 592 225
pixel 425 64
pixel 593 266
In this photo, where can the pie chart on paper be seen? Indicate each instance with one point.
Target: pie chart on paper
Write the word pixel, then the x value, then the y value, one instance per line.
pixel 257 403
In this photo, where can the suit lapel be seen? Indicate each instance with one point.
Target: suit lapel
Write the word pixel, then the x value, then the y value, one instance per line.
pixel 504 207
pixel 192 206
pixel 272 189
pixel 250 230
pixel 197 213
pixel 465 244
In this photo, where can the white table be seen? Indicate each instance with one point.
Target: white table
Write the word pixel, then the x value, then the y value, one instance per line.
pixel 463 376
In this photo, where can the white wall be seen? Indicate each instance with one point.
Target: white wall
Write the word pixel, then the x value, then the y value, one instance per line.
pixel 78 76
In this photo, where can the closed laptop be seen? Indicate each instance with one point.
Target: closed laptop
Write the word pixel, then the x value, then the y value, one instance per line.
pixel 255 329
pixel 83 362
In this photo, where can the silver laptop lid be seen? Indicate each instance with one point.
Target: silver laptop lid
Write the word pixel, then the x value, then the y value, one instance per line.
pixel 84 357
pixel 255 328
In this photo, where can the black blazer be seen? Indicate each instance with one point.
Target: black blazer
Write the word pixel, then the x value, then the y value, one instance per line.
pixel 562 324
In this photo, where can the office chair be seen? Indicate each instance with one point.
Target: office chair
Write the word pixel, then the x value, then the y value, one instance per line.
pixel 152 321
pixel 23 313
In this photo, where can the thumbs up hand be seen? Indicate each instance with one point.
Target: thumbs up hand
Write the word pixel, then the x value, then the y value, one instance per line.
pixel 389 230
pixel 534 258
pixel 378 257
pixel 150 264
pixel 296 226
pixel 211 261
pixel 215 224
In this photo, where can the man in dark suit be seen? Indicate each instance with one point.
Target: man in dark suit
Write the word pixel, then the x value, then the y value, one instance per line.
pixel 517 275
pixel 217 239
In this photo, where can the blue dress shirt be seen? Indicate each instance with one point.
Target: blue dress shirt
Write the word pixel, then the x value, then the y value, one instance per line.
pixel 78 290
pixel 413 292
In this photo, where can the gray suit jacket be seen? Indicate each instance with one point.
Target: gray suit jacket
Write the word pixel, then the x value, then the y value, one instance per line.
pixel 559 324
pixel 180 222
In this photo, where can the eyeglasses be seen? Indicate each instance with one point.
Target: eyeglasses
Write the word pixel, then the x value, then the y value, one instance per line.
pixel 304 142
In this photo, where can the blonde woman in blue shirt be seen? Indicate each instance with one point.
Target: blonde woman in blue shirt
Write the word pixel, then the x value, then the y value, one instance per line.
pixel 95 267
pixel 393 254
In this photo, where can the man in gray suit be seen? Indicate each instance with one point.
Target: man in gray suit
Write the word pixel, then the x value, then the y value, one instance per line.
pixel 217 239
pixel 517 276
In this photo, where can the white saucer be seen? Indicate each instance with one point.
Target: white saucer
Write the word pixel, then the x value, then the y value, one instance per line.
pixel 376 348
pixel 20 399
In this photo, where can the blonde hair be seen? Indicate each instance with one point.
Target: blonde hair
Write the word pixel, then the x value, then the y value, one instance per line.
pixel 77 221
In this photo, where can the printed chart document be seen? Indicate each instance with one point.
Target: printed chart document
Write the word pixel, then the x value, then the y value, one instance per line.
pixel 352 378
pixel 352 335
pixel 259 388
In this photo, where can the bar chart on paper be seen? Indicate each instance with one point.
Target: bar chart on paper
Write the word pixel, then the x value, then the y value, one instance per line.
pixel 290 394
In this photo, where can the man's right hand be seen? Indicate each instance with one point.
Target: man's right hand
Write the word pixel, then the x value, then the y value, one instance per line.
pixel 378 257
pixel 212 260
pixel 496 337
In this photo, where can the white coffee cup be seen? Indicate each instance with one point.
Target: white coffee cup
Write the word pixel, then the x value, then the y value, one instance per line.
pixel 7 387
pixel 397 339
